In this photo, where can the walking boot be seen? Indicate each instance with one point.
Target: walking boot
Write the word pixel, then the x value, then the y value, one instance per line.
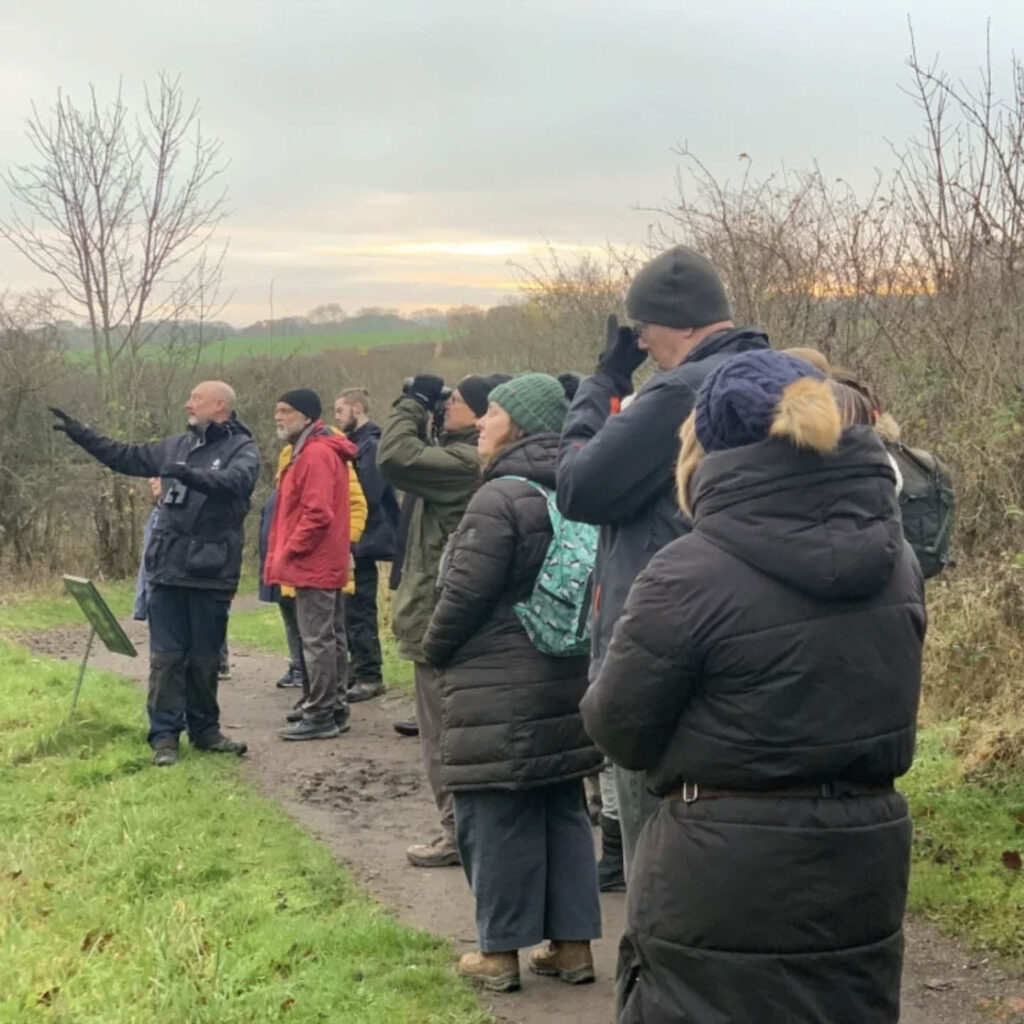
pixel 307 730
pixel 365 691
pixel 221 745
pixel 441 853
pixel 572 962
pixel 496 972
pixel 610 872
pixel 294 715
pixel 165 753
pixel 408 727
pixel 341 719
pixel 293 677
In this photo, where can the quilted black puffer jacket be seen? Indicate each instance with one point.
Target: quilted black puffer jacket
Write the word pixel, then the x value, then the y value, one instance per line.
pixel 775 648
pixel 510 714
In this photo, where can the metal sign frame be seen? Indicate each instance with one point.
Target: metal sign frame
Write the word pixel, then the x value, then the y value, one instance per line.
pixel 101 622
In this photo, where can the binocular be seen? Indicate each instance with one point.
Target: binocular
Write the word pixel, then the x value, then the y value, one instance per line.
pixel 446 392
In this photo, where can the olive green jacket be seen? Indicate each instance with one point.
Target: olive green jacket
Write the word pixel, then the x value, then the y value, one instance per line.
pixel 443 476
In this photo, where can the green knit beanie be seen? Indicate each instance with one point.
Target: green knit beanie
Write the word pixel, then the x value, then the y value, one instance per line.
pixel 536 402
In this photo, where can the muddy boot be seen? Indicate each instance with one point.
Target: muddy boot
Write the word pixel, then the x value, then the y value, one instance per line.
pixel 365 691
pixel 307 730
pixel 611 876
pixel 572 962
pixel 496 972
pixel 293 677
pixel 407 727
pixel 165 753
pixel 220 744
pixel 441 853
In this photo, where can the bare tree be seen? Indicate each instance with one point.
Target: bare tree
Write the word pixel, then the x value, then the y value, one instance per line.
pixel 119 212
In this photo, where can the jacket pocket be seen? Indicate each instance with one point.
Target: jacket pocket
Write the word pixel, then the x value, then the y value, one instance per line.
pixel 206 557
pixel 155 555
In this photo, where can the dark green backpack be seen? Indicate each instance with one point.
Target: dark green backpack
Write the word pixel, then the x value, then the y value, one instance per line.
pixel 927 504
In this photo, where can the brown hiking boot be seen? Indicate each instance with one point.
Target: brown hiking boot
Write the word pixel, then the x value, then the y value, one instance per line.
pixel 572 962
pixel 441 853
pixel 496 972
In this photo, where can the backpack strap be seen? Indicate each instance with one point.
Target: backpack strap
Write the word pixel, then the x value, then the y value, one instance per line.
pixel 548 493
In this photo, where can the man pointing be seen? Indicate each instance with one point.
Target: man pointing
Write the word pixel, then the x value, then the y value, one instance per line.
pixel 192 560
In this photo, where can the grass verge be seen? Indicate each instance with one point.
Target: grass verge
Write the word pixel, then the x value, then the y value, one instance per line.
pixel 968 843
pixel 129 893
pixel 48 605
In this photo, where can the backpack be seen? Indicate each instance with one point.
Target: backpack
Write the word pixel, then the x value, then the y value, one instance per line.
pixel 927 504
pixel 556 616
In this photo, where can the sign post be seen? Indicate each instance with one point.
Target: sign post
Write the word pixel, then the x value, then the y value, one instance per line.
pixel 101 621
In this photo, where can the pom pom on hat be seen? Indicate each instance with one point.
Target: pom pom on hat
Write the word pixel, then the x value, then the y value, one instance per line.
pixel 761 394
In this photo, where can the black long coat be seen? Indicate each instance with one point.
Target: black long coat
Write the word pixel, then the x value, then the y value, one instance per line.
pixel 776 646
pixel 510 714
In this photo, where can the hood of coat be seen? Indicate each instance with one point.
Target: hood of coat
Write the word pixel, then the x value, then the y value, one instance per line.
pixel 320 433
pixel 534 457
pixel 828 525
pixel 363 435
pixel 215 431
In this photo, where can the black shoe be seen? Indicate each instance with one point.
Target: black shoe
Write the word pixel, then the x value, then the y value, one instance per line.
pixel 307 730
pixel 222 745
pixel 341 720
pixel 165 754
pixel 410 727
pixel 294 716
pixel 365 691
pixel 293 677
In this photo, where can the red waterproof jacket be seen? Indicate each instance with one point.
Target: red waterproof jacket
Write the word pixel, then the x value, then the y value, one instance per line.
pixel 309 536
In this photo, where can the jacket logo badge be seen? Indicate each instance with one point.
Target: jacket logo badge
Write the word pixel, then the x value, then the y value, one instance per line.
pixel 215 464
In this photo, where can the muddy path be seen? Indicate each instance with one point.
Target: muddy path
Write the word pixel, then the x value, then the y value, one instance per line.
pixel 364 795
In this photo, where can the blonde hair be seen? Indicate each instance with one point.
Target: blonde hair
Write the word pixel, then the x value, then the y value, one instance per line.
pixel 691 455
pixel 809 355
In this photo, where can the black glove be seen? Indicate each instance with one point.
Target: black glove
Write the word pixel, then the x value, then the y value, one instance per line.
pixel 426 389
pixel 175 470
pixel 68 424
pixel 570 382
pixel 621 355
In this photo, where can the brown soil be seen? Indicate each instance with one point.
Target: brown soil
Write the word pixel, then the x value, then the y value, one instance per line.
pixel 363 794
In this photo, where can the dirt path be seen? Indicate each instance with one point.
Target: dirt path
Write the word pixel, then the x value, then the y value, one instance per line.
pixel 364 796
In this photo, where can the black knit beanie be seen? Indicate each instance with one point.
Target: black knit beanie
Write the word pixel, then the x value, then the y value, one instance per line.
pixel 679 288
pixel 476 389
pixel 303 400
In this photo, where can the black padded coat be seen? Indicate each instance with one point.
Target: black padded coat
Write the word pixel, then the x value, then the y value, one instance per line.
pixel 510 715
pixel 777 646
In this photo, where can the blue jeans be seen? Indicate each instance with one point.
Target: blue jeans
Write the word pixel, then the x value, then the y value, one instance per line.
pixel 187 627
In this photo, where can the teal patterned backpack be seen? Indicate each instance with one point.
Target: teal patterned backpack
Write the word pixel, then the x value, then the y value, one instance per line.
pixel 556 616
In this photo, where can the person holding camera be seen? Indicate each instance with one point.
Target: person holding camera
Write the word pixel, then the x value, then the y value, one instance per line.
pixel 193 558
pixel 617 459
pixel 440 469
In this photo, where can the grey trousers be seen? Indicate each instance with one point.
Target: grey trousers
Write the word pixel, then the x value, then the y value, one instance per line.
pixel 635 806
pixel 428 715
pixel 290 618
pixel 529 858
pixel 321 620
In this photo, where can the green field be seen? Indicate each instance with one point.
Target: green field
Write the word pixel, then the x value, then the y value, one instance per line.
pixel 283 346
pixel 280 347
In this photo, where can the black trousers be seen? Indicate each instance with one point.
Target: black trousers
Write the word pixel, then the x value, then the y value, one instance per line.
pixel 361 625
pixel 529 858
pixel 187 627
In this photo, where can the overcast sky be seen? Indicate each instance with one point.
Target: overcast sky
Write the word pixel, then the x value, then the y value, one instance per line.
pixel 402 152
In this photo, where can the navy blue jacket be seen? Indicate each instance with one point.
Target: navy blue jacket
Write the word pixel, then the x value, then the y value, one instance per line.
pixel 618 471
pixel 198 534
pixel 378 540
